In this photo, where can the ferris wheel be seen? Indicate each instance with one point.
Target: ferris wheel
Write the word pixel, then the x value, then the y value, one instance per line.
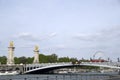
pixel 99 55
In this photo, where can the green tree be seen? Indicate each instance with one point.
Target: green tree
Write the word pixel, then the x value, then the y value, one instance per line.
pixel 43 58
pixel 16 60
pixel 29 60
pixel 74 60
pixel 52 58
pixel 3 60
pixel 22 60
pixel 64 59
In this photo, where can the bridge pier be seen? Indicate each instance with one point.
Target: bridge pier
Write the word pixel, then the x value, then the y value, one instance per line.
pixel 9 68
pixel 119 72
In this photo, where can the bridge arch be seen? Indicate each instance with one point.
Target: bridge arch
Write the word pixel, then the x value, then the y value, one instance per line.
pixel 48 69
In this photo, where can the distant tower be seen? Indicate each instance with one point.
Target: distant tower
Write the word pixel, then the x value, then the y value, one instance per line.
pixel 10 58
pixel 36 57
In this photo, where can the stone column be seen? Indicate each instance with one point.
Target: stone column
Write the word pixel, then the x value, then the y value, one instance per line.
pixel 36 56
pixel 10 58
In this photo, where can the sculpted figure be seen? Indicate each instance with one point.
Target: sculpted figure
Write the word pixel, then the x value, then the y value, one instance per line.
pixel 36 48
pixel 11 44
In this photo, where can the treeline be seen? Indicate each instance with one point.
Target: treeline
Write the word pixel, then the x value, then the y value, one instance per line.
pixel 42 59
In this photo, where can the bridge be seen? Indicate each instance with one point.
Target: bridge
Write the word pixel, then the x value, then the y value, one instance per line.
pixel 43 68
pixel 37 67
pixel 46 67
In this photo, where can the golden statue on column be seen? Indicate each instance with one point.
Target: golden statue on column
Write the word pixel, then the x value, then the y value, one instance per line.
pixel 10 58
pixel 36 57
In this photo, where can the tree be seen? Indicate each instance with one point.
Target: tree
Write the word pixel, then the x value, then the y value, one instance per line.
pixel 23 60
pixel 74 60
pixel 3 60
pixel 64 59
pixel 43 58
pixel 52 58
pixel 16 60
pixel 29 60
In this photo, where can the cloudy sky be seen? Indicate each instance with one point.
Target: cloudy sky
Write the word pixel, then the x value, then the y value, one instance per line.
pixel 74 28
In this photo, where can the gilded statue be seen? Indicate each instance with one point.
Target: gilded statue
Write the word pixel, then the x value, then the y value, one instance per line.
pixel 36 48
pixel 11 44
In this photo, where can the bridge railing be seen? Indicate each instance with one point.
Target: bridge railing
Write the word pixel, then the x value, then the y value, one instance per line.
pixel 112 64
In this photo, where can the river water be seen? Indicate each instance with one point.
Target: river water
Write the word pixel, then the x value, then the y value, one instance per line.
pixel 80 76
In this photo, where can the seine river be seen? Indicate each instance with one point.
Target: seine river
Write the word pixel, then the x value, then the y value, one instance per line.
pixel 80 76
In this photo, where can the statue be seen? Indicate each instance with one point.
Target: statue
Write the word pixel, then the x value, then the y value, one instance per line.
pixel 11 44
pixel 36 48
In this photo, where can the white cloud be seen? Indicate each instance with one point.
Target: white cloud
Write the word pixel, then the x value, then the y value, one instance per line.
pixel 56 47
pixel 104 35
pixel 27 36
pixel 60 46
pixel 52 34
pixel 87 37
pixel 30 37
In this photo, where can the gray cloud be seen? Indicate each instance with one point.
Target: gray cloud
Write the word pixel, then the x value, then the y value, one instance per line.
pixel 87 37
pixel 28 36
pixel 52 34
pixel 31 37
pixel 112 33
